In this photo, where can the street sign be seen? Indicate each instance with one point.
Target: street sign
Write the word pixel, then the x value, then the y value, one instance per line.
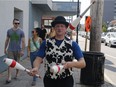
pixel 87 23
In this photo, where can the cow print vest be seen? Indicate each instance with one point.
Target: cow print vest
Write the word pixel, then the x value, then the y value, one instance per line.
pixel 56 55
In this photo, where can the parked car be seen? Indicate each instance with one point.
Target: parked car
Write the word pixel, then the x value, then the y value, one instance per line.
pixel 110 39
pixel 103 35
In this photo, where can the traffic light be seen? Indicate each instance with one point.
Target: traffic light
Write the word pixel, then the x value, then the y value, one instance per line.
pixel 87 23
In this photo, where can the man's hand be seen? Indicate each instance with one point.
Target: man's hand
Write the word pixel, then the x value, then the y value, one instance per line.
pixel 33 72
pixel 21 53
pixel 75 63
pixel 68 65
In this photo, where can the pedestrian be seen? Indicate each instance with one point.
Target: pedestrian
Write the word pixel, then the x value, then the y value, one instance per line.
pixel 59 53
pixel 15 38
pixel 33 46
pixel 43 32
pixel 69 34
pixel 51 33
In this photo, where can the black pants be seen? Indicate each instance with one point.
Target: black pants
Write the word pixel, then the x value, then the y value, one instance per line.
pixel 65 82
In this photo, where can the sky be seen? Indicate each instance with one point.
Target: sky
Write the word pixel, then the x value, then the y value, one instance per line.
pixel 84 5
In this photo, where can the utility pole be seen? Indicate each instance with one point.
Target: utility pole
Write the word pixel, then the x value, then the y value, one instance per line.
pixel 78 13
pixel 96 26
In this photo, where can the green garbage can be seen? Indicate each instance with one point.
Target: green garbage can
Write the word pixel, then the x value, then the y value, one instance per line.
pixel 93 73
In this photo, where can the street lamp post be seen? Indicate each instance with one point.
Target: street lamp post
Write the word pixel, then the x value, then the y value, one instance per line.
pixel 78 12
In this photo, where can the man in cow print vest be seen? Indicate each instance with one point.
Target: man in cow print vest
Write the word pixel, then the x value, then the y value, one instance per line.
pixel 59 53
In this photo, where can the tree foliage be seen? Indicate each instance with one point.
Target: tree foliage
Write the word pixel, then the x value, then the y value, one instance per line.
pixel 104 27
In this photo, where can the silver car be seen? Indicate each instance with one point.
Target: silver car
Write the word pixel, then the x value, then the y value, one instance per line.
pixel 110 39
pixel 103 37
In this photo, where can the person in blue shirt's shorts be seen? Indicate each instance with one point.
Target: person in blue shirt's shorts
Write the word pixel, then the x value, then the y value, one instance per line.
pixel 59 53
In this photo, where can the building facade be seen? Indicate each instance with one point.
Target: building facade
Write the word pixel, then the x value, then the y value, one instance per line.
pixel 30 13
pixel 109 13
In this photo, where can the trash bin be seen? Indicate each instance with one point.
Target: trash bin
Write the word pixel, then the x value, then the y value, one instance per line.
pixel 93 73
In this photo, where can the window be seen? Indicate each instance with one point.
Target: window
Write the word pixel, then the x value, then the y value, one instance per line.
pixel 47 22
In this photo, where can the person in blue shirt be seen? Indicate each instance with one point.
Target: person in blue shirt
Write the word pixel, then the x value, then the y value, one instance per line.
pixel 14 46
pixel 59 51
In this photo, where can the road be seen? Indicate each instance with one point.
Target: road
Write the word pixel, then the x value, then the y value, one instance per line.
pixel 110 63
pixel 110 59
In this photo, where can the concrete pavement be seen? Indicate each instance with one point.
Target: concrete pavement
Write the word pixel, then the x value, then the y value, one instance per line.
pixel 24 80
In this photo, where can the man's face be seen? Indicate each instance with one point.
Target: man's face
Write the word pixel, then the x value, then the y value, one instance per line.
pixel 16 24
pixel 60 29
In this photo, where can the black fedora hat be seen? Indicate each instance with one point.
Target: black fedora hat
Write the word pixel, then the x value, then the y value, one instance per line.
pixel 59 20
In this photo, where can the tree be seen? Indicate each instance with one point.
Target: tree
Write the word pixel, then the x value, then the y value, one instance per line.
pixel 104 27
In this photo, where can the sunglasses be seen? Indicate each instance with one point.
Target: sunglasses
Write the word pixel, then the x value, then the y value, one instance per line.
pixel 32 31
pixel 16 23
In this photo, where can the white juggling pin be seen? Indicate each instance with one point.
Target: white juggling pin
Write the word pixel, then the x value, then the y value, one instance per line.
pixel 74 23
pixel 74 60
pixel 56 68
pixel 12 63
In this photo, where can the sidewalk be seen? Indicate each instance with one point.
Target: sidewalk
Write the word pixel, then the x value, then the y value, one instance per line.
pixel 25 80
